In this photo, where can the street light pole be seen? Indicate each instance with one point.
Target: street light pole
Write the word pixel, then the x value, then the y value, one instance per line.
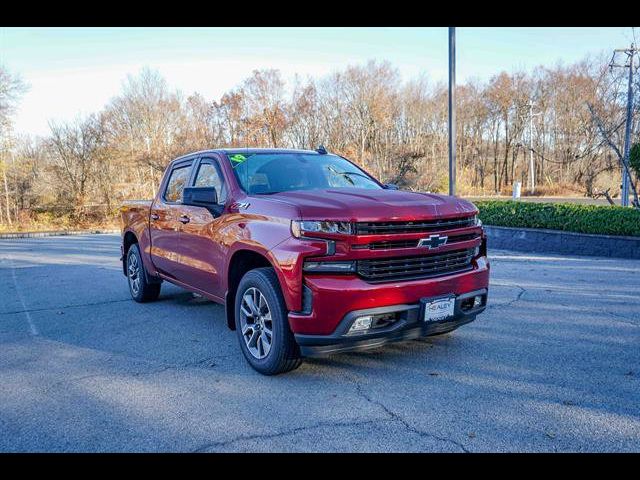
pixel 532 171
pixel 452 110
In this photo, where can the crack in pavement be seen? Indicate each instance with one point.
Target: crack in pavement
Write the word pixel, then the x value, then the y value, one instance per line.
pixel 618 318
pixel 510 302
pixel 202 364
pixel 401 420
pixel 393 418
pixel 198 364
pixel 284 433
pixel 44 309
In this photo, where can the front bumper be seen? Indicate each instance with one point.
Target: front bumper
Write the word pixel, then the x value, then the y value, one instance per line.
pixel 328 299
pixel 409 325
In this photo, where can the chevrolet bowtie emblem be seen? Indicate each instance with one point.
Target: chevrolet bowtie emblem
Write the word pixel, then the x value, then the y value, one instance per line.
pixel 434 241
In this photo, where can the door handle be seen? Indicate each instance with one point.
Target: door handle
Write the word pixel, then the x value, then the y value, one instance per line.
pixel 185 219
pixel 155 216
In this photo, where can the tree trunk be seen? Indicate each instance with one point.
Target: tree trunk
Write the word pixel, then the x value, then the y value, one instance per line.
pixel 6 194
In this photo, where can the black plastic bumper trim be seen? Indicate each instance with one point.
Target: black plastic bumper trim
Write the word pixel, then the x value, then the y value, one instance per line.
pixel 408 326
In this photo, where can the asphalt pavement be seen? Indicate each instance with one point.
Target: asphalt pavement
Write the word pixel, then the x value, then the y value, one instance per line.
pixel 552 365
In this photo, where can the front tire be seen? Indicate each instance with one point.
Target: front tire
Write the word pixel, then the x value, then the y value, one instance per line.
pixel 262 324
pixel 140 288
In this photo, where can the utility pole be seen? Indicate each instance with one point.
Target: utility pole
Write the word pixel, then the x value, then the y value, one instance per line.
pixel 532 170
pixel 630 52
pixel 452 110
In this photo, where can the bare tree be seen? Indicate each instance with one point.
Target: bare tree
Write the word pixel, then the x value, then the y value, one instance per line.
pixel 75 150
pixel 11 89
pixel 265 103
pixel 607 136
pixel 396 130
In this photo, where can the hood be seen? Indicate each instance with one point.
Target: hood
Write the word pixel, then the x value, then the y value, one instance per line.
pixel 365 205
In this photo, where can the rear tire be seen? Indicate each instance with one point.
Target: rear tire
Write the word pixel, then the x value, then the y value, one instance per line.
pixel 140 288
pixel 262 324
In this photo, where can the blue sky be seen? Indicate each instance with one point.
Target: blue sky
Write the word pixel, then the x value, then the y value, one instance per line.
pixel 75 71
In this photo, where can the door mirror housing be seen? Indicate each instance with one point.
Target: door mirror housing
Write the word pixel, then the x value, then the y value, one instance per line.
pixel 206 197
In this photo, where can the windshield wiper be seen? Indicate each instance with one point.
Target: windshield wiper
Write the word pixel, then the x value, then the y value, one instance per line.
pixel 354 173
pixel 347 175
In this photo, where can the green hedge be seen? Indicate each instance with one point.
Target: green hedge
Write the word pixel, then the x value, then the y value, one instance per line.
pixel 561 216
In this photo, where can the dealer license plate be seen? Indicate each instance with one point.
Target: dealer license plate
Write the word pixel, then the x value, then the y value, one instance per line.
pixel 438 310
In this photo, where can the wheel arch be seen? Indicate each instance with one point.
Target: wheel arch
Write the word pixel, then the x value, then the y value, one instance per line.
pixel 242 261
pixel 128 239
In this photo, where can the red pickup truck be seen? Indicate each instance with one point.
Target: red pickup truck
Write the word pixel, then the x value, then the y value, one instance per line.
pixel 309 253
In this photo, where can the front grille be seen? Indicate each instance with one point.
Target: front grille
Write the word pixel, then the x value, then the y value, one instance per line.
pixel 391 244
pixel 378 228
pixel 414 267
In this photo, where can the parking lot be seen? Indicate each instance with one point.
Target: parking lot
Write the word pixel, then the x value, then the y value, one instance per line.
pixel 552 365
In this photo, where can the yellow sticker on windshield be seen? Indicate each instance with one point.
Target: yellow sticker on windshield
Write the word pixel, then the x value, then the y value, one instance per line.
pixel 237 159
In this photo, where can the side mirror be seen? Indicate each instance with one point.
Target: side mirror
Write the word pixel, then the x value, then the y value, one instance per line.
pixel 391 186
pixel 202 197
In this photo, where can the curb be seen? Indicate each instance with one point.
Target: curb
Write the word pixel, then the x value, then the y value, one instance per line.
pixel 560 242
pixel 60 233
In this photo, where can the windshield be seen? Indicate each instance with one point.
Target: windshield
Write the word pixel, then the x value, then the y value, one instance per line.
pixel 267 173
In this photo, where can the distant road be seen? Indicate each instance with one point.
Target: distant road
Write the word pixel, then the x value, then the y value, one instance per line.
pixel 579 200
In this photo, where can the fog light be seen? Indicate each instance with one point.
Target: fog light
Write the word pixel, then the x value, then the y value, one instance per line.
pixel 477 301
pixel 361 323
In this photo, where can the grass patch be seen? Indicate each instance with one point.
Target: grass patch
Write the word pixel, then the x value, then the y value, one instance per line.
pixel 603 220
pixel 50 221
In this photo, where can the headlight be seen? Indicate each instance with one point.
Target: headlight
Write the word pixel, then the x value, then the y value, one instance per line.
pixel 301 227
pixel 476 221
pixel 329 267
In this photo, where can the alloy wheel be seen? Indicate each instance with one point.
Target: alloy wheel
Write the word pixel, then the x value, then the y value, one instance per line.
pixel 256 323
pixel 133 270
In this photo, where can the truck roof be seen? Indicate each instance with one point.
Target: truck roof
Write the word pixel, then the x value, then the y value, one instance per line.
pixel 246 151
pixel 265 150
